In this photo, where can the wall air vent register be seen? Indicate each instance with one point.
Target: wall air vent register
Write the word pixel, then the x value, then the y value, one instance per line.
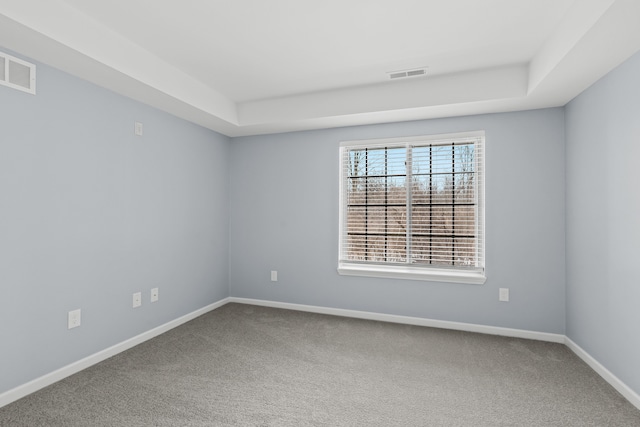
pixel 403 74
pixel 17 74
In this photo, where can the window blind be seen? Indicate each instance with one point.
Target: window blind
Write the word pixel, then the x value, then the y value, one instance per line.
pixel 415 202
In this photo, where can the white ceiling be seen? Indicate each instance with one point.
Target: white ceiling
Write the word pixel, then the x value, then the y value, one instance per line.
pixel 244 67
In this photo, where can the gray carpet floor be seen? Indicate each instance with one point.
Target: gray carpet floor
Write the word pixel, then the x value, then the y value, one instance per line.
pixel 243 365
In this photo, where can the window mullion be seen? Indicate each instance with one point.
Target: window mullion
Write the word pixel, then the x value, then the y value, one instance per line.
pixel 386 203
pixel 453 203
pixel 366 204
pixel 409 186
pixel 430 204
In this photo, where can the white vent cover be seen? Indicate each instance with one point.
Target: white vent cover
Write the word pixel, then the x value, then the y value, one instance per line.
pixel 403 74
pixel 17 73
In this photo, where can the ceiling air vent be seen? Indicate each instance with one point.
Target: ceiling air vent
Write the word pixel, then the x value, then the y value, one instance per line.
pixel 17 73
pixel 415 72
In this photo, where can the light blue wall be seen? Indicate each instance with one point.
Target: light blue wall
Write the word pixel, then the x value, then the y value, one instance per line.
pixel 284 217
pixel 603 221
pixel 90 213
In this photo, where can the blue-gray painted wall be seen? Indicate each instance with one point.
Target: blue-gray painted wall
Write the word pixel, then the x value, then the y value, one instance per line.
pixel 603 221
pixel 284 217
pixel 90 214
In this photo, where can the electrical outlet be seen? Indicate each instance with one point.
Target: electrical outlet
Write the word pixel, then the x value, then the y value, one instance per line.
pixel 154 294
pixel 274 276
pixel 137 299
pixel 73 319
pixel 503 294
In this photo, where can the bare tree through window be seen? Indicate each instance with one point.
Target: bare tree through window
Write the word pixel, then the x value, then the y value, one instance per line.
pixel 412 204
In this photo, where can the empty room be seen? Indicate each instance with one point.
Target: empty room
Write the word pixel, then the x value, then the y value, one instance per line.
pixel 319 213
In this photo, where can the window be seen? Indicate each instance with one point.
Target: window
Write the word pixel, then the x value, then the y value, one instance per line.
pixel 413 208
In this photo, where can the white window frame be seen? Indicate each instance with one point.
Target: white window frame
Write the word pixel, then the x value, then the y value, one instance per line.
pixel 477 275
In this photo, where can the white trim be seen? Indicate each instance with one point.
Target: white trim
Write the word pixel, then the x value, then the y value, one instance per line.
pixel 52 377
pixel 407 320
pixel 443 138
pixel 59 374
pixel 608 376
pixel 412 273
pixel 410 270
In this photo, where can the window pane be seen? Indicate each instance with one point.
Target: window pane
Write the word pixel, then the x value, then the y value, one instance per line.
pixel 464 158
pixel 376 221
pixel 397 220
pixel 376 211
pixel 356 219
pixel 396 190
pixel 356 245
pixel 441 162
pixel 421 217
pixel 421 188
pixel 464 221
pixel 435 251
pixel 464 252
pixel 376 191
pixel 396 161
pixel 441 189
pixel 356 191
pixel 421 160
pixel 421 250
pixel 375 248
pixel 441 220
pixel 465 188
pixel 356 163
pixel 397 249
pixel 441 251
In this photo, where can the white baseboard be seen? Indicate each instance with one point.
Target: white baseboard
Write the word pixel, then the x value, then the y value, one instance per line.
pixel 608 376
pixel 615 382
pixel 48 379
pixel 418 321
pixel 59 374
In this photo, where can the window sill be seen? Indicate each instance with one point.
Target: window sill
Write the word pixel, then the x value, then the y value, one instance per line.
pixel 412 273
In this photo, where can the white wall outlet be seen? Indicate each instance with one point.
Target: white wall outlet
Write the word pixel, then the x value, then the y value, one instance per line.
pixel 137 299
pixel 154 294
pixel 73 319
pixel 503 294
pixel 138 128
pixel 274 276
